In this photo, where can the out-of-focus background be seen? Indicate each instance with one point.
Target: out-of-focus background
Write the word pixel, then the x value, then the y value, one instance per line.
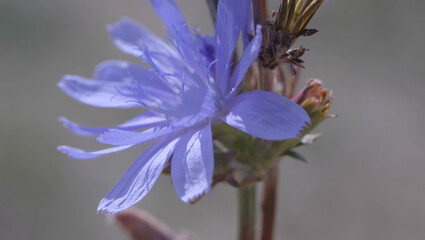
pixel 365 178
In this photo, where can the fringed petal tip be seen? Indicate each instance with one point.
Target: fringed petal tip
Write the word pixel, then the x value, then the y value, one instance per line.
pixel 114 205
pixel 123 19
pixel 103 208
pixel 65 122
pixel 190 199
pixel 62 148
pixel 74 152
pixel 107 206
pixel 267 115
pixel 80 130
pixel 82 154
pixel 62 83
pixel 122 25
pixel 302 128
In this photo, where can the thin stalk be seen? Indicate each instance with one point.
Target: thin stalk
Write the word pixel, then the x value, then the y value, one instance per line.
pixel 269 203
pixel 264 81
pixel 269 195
pixel 247 207
pixel 261 11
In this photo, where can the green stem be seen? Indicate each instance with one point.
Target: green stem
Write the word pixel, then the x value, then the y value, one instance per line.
pixel 247 207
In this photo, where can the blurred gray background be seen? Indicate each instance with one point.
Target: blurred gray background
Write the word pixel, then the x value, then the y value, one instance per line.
pixel 365 178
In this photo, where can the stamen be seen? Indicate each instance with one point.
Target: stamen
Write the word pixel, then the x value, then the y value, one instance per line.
pixel 218 95
pixel 174 86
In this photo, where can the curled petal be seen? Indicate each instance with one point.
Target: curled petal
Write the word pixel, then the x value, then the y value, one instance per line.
pixel 228 27
pixel 139 178
pixel 192 165
pixel 248 56
pixel 82 154
pixel 145 120
pixel 266 115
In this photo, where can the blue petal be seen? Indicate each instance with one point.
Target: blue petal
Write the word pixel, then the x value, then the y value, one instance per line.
pixel 121 137
pixel 248 56
pixel 113 70
pixel 206 45
pixel 124 71
pixel 172 17
pixel 192 165
pixel 132 38
pixel 145 120
pixel 247 22
pixel 178 29
pixel 198 104
pixel 116 94
pixel 228 27
pixel 82 154
pixel 266 115
pixel 98 93
pixel 191 53
pixel 139 178
pixel 146 77
pixel 128 72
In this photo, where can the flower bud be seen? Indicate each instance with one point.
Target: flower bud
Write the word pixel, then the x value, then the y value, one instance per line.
pixel 315 100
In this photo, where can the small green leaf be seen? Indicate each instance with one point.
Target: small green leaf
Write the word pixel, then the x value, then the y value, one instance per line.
pixel 296 156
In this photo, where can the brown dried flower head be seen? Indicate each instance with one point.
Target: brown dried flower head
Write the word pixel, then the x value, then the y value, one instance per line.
pixel 280 33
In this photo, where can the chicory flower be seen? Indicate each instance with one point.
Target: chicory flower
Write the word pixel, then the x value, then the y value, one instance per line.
pixel 190 86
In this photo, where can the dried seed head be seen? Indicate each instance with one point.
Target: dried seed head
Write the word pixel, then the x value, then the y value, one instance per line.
pixel 280 33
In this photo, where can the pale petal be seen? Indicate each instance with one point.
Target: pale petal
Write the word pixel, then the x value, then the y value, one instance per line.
pixel 98 93
pixel 119 137
pixel 139 178
pixel 192 165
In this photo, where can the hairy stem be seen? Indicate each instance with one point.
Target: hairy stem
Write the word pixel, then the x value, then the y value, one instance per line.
pixel 247 207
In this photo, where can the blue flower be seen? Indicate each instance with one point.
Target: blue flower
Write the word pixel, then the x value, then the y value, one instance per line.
pixel 189 87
